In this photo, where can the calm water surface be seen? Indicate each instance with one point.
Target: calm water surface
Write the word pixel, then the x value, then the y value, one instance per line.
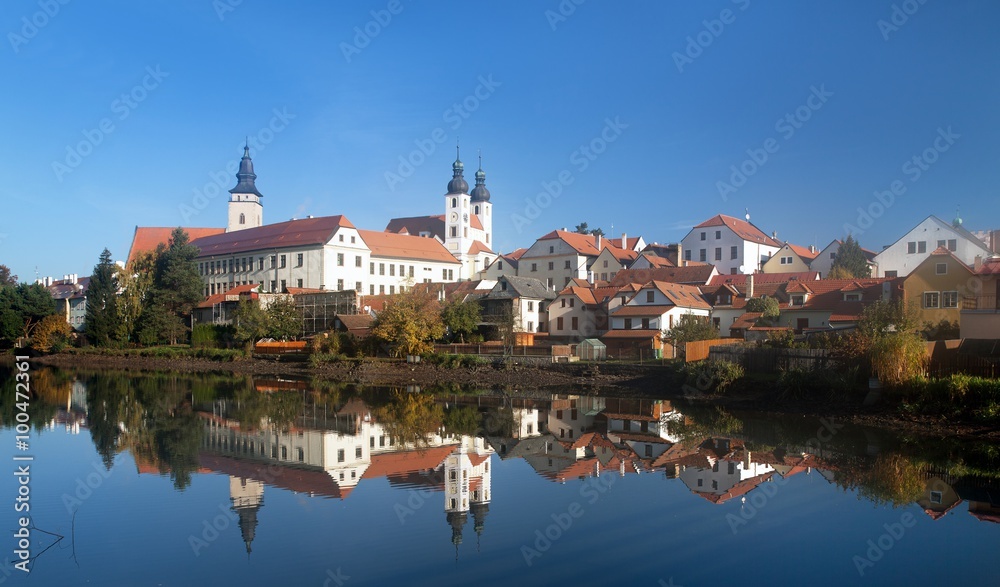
pixel 216 480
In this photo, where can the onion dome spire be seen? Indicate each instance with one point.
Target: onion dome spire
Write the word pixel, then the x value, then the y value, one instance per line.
pixel 458 185
pixel 245 177
pixel 480 193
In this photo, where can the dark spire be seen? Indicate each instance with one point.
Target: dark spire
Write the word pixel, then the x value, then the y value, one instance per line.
pixel 456 520
pixel 479 511
pixel 457 185
pixel 248 522
pixel 245 177
pixel 480 193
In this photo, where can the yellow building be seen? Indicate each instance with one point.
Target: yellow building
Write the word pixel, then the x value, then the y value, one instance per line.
pixel 790 259
pixel 936 285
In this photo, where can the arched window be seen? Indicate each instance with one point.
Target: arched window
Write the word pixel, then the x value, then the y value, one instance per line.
pixel 477 209
pixel 454 202
pixel 243 218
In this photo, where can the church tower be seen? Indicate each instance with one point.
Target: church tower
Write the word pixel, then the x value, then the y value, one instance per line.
pixel 456 214
pixel 481 206
pixel 245 209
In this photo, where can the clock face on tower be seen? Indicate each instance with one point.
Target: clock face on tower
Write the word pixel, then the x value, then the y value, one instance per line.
pixel 454 216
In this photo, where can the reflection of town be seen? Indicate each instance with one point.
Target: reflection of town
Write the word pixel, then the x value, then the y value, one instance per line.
pixel 330 449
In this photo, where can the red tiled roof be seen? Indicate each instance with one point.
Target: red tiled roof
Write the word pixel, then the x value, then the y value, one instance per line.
pixel 147 238
pixel 582 243
pixel 403 246
pixel 298 291
pixel 232 295
pixel 685 296
pixel 741 488
pixel 656 261
pixel 478 247
pixel 474 222
pixel 416 224
pixel 828 296
pixel 632 333
pixel 292 233
pixel 990 267
pixel 630 243
pixel 745 321
pixel 585 294
pixel 695 275
pixel 642 310
pixel 762 278
pixel 803 252
pixel 742 228
pixel 395 463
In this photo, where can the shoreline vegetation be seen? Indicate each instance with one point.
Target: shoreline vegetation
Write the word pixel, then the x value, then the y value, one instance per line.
pixel 959 406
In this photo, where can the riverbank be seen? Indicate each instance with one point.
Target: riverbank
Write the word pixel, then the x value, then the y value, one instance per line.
pixel 661 381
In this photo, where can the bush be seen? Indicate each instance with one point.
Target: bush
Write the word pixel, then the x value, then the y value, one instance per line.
pixel 317 359
pixel 802 382
pixel 717 375
pixel 897 359
pixel 211 336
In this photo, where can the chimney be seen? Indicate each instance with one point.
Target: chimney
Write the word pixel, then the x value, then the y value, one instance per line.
pixel 597 241
pixel 812 248
pixel 978 263
pixel 624 241
pixel 749 286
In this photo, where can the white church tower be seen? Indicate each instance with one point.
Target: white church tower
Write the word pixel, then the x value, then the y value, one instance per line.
pixel 481 206
pixel 457 238
pixel 245 209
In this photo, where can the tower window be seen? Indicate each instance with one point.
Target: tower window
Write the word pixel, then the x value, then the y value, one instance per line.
pixel 243 218
pixel 454 202
pixel 477 209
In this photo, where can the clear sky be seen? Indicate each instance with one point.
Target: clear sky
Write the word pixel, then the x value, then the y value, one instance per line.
pixel 119 113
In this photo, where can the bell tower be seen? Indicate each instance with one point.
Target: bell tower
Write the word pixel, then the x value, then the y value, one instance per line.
pixel 457 208
pixel 245 209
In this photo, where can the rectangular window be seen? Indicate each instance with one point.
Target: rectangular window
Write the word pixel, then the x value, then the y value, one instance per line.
pixel 340 284
pixel 392 270
pixel 340 455
pixel 283 262
pixel 563 303
pixel 534 266
pixel 952 245
pixel 911 247
pixel 718 234
pixel 299 282
pixel 381 268
pixel 357 260
pixel 552 250
pixel 381 290
pixel 702 255
pixel 274 286
pixel 340 260
pixel 357 286
pixel 922 247
pixel 940 243
pixel 703 236
pixel 371 268
pixel 718 253
pixel 444 274
pixel 734 252
pixel 300 258
pixel 628 324
pixel 283 287
pixel 357 452
pixel 371 289
pixel 531 306
pixel 402 270
pixel 392 289
pixel 260 263
pixel 341 238
pixel 499 265
pixel 650 296
pixel 411 270
pixel 645 323
pixel 569 266
pixel 352 240
pixel 892 274
pixel 531 326
pixel 949 299
pixel 551 265
pixel 572 302
pixel 454 231
pixel 932 299
pixel 941 268
pixel 559 323
pixel 574 322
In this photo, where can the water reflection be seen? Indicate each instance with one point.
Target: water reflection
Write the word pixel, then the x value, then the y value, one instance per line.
pixel 322 440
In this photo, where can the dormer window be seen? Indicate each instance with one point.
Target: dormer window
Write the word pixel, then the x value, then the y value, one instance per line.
pixel 798 300
pixel 852 297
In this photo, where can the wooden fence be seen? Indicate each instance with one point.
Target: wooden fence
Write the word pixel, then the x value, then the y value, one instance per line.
pixel 699 349
pixel 772 360
pixel 493 349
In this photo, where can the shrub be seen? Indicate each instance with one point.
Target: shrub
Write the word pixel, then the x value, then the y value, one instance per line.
pixel 897 359
pixel 718 375
pixel 317 359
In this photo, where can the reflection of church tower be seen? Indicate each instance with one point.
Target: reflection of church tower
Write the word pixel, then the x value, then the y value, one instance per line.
pixel 247 496
pixel 479 511
pixel 245 209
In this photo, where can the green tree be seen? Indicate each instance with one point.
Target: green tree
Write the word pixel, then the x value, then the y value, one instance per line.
pixel 852 259
pixel 51 334
pixel 250 321
pixel 409 323
pixel 102 295
pixel 766 305
pixel 6 277
pixel 22 307
pixel 177 287
pixel 461 317
pixel 690 328
pixel 135 283
pixel 583 228
pixel 839 272
pixel 283 319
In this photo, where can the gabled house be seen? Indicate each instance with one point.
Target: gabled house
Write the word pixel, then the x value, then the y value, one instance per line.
pixel 934 286
pixel 729 294
pixel 560 256
pixel 502 265
pixel 629 243
pixel 70 295
pixel 580 311
pixel 648 260
pixel 732 245
pixel 903 256
pixel 791 258
pixel 825 258
pixel 833 303
pixel 611 260
pixel 980 299
pixel 655 307
pixel 523 299
pixel 692 275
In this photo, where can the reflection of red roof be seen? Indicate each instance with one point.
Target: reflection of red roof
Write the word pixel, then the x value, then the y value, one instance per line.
pixel 741 488
pixel 147 238
pixel 396 463
pixel 311 481
pixel 477 459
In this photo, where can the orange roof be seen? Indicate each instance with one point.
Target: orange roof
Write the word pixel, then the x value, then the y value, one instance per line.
pixel 395 463
pixel 232 295
pixel 630 243
pixel 478 247
pixel 686 296
pixel 404 246
pixel 475 223
pixel 699 275
pixel 656 261
pixel 298 291
pixel 147 238
pixel 742 228
pixel 632 333
pixel 585 294
pixel 581 243
pixel 741 488
pixel 803 252
pixel 761 278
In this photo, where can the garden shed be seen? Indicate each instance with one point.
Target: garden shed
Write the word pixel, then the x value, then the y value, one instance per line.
pixel 592 349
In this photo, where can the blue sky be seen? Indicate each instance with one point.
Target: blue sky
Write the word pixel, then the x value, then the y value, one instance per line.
pixel 120 113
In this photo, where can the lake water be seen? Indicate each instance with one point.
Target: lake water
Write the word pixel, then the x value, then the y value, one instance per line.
pixel 220 480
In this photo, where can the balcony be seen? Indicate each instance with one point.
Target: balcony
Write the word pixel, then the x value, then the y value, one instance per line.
pixel 988 303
